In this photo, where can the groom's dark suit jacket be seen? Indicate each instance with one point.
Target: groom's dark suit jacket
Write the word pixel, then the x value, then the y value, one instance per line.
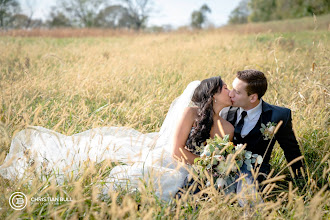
pixel 285 136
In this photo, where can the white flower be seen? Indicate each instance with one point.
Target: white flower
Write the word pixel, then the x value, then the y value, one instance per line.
pixel 221 183
pixel 222 167
pixel 219 157
pixel 238 147
pixel 271 129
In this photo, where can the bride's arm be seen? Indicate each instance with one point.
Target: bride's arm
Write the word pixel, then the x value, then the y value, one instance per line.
pixel 181 134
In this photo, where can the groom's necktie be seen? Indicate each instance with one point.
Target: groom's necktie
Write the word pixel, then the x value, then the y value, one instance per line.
pixel 240 124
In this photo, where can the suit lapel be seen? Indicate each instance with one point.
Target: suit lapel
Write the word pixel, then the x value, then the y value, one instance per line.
pixel 266 113
pixel 264 118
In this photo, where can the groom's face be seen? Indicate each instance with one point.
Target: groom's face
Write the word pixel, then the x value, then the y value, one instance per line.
pixel 238 94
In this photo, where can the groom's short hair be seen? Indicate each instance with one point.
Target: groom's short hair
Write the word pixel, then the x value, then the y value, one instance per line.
pixel 256 80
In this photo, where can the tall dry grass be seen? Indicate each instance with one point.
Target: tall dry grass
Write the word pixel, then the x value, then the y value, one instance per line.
pixel 74 84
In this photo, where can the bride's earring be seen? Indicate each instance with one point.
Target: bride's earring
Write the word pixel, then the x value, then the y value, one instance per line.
pixel 215 100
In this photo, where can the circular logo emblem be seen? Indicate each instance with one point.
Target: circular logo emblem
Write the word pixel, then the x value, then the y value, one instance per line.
pixel 18 200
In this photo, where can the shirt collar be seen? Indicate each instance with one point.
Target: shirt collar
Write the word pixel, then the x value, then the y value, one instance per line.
pixel 252 112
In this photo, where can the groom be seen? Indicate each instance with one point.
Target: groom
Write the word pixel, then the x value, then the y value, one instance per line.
pixel 249 112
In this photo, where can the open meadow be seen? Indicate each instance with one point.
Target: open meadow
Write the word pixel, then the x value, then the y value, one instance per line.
pixel 74 84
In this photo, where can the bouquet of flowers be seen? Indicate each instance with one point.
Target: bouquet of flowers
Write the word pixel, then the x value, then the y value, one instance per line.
pixel 222 160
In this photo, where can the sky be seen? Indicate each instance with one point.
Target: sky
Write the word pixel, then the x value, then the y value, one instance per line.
pixel 166 12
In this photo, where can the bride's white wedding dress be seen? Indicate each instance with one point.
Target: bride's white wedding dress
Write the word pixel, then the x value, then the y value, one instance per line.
pixel 146 156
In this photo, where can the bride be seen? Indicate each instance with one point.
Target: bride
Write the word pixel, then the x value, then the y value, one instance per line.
pixel 159 159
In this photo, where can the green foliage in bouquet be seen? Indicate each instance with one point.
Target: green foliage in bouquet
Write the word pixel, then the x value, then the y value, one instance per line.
pixel 221 160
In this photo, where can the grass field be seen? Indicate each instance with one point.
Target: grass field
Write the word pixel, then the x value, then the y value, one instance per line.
pixel 75 84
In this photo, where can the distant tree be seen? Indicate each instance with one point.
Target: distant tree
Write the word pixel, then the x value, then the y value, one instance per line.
pixel 266 10
pixel 138 12
pixel 18 21
pixel 8 8
pixel 115 16
pixel 318 7
pixel 82 13
pixel 97 13
pixel 301 8
pixel 30 5
pixel 241 13
pixel 58 19
pixel 198 18
pixel 262 10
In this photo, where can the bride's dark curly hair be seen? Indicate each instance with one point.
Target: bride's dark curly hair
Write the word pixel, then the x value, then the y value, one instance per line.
pixel 203 99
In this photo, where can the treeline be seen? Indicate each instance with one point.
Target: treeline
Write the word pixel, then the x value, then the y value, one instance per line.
pixel 123 14
pixel 134 14
pixel 267 10
pixel 130 14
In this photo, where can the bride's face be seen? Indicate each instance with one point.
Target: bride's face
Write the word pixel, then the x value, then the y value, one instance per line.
pixel 223 96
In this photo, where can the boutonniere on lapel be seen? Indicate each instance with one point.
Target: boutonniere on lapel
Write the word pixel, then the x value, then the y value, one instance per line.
pixel 268 130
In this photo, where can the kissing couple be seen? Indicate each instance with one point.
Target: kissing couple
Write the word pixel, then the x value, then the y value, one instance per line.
pixel 205 109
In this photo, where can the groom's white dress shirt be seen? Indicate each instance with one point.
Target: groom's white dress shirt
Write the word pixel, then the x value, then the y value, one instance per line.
pixel 250 119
